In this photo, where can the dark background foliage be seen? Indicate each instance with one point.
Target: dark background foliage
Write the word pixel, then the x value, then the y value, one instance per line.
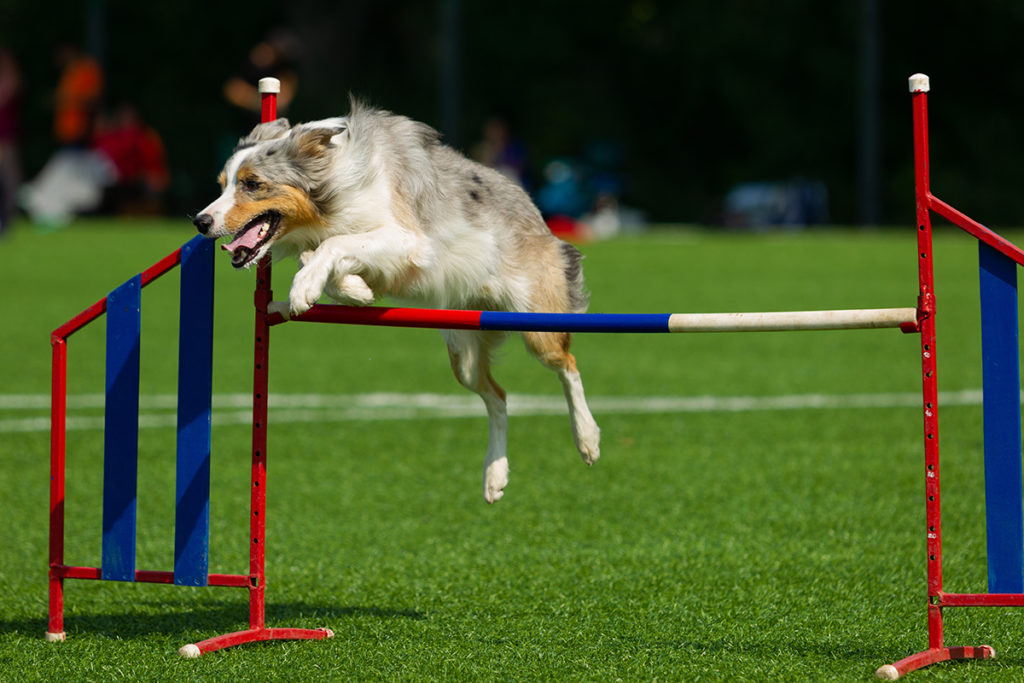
pixel 697 96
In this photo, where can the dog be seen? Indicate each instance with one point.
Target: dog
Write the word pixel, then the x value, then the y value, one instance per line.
pixel 373 204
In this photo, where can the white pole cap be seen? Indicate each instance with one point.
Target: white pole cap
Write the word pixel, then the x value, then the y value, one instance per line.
pixel 190 651
pixel 270 85
pixel 919 83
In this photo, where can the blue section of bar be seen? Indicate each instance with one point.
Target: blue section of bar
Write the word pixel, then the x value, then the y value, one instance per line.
pixel 574 322
pixel 195 390
pixel 121 430
pixel 1004 484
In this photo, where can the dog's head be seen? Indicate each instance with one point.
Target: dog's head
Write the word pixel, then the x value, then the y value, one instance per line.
pixel 273 183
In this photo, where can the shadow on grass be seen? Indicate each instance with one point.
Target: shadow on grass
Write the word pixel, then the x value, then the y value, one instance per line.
pixel 209 620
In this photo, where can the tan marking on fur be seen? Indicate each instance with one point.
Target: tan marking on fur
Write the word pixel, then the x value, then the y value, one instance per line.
pixel 245 171
pixel 403 212
pixel 297 207
pixel 312 143
pixel 222 180
pixel 496 387
pixel 485 383
pixel 539 258
pixel 551 349
pixel 292 203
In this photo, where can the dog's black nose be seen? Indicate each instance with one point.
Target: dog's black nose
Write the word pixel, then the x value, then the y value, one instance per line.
pixel 203 222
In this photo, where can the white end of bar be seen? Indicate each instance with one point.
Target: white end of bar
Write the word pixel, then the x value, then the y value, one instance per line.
pixel 268 85
pixel 55 637
pixel 919 83
pixel 867 318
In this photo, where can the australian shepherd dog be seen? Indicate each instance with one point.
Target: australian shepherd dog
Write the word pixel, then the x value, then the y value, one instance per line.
pixel 373 204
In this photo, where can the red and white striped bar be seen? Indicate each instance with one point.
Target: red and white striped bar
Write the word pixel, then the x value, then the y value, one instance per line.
pixel 903 318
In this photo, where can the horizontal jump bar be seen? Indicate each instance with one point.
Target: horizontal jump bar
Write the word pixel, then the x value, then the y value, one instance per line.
pixel 904 318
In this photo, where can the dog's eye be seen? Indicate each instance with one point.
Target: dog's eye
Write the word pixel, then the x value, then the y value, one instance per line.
pixel 250 184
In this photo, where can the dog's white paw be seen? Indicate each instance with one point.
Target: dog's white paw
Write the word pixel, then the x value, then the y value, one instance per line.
pixel 349 289
pixel 588 442
pixel 495 480
pixel 307 287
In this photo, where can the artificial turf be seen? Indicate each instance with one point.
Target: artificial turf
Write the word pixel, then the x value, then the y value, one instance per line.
pixel 706 545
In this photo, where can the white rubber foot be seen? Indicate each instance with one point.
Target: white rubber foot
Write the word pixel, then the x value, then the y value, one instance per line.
pixel 887 673
pixel 329 632
pixel 55 637
pixel 190 651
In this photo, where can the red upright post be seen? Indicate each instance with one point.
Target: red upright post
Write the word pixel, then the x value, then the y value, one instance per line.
pixel 258 630
pixel 261 382
pixel 269 88
pixel 937 651
pixel 929 367
pixel 58 410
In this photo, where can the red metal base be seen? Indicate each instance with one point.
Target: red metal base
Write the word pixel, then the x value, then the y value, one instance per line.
pixel 891 672
pixel 253 635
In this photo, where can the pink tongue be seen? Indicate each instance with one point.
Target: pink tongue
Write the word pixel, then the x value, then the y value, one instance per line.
pixel 248 238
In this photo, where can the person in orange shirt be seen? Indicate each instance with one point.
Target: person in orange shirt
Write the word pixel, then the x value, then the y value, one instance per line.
pixel 77 97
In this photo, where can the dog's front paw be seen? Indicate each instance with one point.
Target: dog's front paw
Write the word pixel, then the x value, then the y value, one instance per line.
pixel 307 287
pixel 349 289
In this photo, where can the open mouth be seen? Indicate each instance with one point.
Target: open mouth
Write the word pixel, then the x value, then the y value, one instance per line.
pixel 250 240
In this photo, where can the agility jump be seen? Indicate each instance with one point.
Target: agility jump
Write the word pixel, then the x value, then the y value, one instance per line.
pixel 122 307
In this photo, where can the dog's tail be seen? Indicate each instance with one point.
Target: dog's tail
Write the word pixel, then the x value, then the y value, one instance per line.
pixel 579 297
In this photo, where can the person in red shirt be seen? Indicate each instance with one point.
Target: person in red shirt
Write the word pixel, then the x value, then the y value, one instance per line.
pixel 137 153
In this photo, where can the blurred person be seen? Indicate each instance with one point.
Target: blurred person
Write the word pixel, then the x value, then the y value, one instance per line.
pixel 73 179
pixel 500 149
pixel 137 153
pixel 10 112
pixel 77 96
pixel 271 57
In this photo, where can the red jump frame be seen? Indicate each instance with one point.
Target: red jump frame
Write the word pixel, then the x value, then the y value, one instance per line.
pixel 268 314
pixel 254 581
pixel 938 599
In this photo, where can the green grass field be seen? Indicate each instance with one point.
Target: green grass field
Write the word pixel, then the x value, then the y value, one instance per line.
pixel 751 539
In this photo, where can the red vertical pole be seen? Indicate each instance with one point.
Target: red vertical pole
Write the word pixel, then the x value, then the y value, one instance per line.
pixel 929 381
pixel 58 425
pixel 269 88
pixel 258 524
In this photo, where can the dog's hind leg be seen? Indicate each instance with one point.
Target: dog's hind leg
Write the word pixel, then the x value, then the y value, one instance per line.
pixel 470 355
pixel 552 349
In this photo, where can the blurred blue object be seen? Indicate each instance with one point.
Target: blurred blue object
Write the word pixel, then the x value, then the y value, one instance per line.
pixel 797 203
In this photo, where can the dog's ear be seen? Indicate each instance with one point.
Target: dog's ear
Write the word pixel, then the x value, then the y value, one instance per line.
pixel 313 141
pixel 266 131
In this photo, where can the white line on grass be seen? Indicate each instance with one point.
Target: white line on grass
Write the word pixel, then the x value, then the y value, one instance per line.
pixel 157 410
